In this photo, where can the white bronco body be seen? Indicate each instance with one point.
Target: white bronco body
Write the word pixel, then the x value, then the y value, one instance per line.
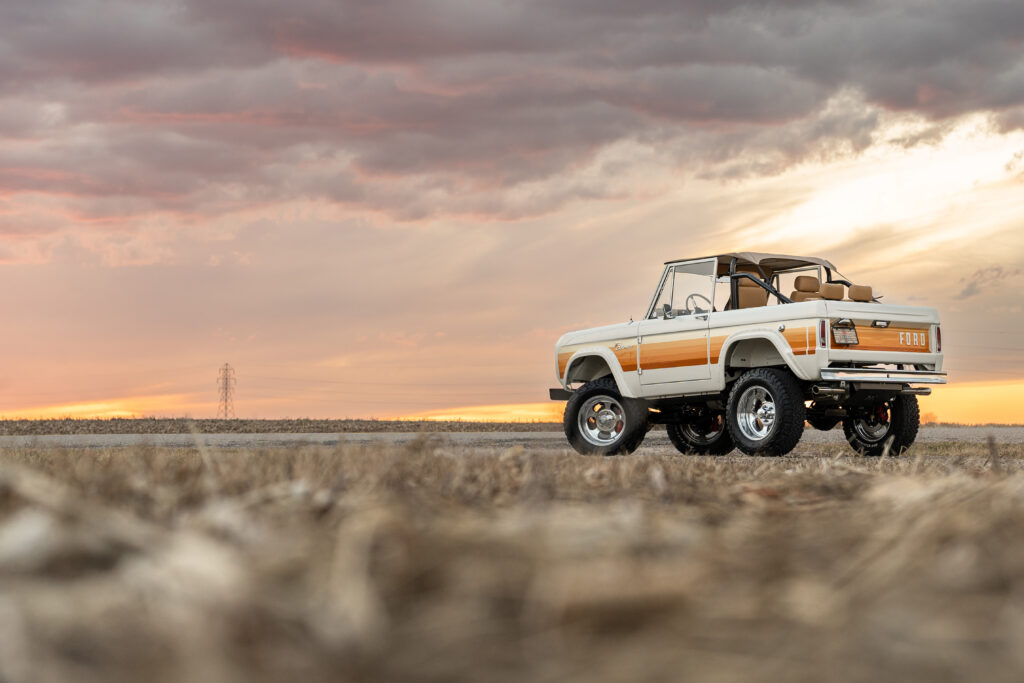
pixel 795 320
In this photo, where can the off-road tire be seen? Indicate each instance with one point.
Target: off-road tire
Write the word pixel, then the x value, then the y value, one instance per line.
pixel 687 445
pixel 634 417
pixel 788 425
pixel 904 421
pixel 823 423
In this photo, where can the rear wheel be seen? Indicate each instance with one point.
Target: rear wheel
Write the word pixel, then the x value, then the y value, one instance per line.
pixel 707 436
pixel 600 421
pixel 766 411
pixel 870 429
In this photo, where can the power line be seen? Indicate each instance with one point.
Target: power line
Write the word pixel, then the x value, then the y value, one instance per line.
pixel 226 387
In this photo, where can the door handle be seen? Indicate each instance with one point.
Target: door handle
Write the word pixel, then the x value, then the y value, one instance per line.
pixel 702 316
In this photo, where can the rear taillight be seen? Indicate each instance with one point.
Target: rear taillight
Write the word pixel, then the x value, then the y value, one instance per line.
pixel 938 339
pixel 822 333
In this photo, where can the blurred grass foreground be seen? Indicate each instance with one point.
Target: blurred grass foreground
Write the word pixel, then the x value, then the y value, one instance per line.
pixel 433 562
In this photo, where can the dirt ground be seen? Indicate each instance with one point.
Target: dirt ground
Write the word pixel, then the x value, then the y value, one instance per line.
pixel 430 561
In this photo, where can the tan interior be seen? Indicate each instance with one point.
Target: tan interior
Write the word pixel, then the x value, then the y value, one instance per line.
pixel 833 291
pixel 806 289
pixel 752 294
pixel 861 293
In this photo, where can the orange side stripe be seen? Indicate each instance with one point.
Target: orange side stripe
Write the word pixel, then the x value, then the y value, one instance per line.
pixel 674 354
pixel 688 352
pixel 563 360
pixel 800 342
pixel 626 356
pixel 716 348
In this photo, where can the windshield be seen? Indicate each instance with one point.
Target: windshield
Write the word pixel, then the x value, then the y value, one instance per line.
pixel 686 290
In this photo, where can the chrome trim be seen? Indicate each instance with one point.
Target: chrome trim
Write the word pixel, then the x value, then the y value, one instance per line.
pixel 818 390
pixel 882 375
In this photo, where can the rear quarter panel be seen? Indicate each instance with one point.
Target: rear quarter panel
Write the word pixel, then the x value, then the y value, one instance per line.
pixel 795 344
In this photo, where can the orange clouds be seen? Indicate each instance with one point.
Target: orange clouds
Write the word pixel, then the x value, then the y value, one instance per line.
pixel 133 406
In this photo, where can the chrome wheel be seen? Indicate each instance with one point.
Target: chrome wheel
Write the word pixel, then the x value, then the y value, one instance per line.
pixel 874 429
pixel 602 420
pixel 755 413
pixel 706 433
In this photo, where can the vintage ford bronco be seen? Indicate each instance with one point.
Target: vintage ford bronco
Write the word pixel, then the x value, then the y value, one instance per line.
pixel 739 350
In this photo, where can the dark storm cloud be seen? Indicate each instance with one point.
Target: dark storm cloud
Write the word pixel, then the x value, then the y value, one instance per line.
pixel 985 278
pixel 447 106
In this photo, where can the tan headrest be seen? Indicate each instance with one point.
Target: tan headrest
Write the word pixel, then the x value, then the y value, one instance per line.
pixel 806 283
pixel 747 282
pixel 797 297
pixel 860 293
pixel 832 291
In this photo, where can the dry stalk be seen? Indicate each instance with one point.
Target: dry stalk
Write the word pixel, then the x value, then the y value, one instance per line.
pixel 993 457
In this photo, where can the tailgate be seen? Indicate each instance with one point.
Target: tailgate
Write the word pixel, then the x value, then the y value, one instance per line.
pixel 886 334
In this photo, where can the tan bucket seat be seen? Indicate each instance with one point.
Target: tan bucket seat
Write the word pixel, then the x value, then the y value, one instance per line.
pixel 806 289
pixel 752 295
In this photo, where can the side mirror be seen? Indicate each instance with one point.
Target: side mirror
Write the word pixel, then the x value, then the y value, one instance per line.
pixel 668 311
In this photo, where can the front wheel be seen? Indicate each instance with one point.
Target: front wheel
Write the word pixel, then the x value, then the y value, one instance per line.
pixel 870 429
pixel 766 411
pixel 600 421
pixel 707 436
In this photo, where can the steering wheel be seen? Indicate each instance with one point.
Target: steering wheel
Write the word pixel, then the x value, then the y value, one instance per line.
pixel 694 308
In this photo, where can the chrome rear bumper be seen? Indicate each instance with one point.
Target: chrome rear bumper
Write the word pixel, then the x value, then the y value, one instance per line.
pixel 883 376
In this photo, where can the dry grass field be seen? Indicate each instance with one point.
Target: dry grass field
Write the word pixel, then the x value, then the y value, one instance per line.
pixel 184 425
pixel 432 562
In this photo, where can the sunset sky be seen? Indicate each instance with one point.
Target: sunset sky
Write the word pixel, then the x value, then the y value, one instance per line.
pixel 395 208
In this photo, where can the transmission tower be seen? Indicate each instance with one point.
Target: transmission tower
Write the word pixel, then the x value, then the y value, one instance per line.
pixel 226 387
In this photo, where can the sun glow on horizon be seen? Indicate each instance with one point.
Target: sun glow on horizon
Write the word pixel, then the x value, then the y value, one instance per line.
pixel 510 412
pixel 968 403
pixel 105 409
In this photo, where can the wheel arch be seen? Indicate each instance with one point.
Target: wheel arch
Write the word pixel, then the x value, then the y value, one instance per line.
pixel 587 365
pixel 756 349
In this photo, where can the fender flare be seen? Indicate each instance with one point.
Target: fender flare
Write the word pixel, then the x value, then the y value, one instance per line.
pixel 772 337
pixel 608 357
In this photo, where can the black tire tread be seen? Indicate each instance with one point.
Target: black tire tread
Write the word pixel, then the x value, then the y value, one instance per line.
pixel 721 446
pixel 636 422
pixel 906 421
pixel 790 411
